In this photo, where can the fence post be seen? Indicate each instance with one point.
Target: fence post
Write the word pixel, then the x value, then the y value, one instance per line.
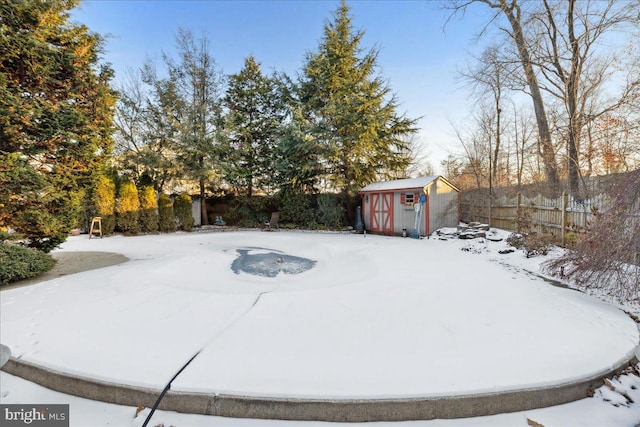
pixel 563 225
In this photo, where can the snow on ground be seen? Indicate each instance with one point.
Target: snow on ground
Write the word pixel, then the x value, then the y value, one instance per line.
pixel 376 317
pixel 592 412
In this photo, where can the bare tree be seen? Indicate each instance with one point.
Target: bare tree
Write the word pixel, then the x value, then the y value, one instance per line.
pixel 512 11
pixel 613 143
pixel 419 159
pixel 608 256
pixel 475 143
pixel 522 137
pixel 487 78
pixel 146 128
pixel 561 48
pixel 574 70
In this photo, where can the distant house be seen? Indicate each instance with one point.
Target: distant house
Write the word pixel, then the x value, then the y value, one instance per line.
pixel 389 207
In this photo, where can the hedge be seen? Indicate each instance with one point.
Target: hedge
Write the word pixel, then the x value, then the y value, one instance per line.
pixel 18 262
pixel 148 209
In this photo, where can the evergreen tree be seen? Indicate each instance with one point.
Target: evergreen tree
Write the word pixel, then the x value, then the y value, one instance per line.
pixel 255 113
pixel 183 211
pixel 298 153
pixel 104 202
pixel 197 89
pixel 148 209
pixel 166 216
pixel 352 109
pixel 55 117
pixel 127 208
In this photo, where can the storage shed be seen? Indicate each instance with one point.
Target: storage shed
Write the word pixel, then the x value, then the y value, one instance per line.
pixel 389 207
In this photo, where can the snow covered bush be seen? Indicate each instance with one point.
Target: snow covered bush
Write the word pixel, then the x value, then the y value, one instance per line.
pixel 18 262
pixel 516 240
pixel 532 243
pixel 608 255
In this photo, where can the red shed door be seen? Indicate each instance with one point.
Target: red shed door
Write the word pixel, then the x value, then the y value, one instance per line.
pixel 382 212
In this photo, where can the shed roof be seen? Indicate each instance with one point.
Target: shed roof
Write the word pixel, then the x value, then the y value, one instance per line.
pixel 400 184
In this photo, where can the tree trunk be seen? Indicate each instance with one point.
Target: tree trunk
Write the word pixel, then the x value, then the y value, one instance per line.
pixel 512 12
pixel 204 217
pixel 575 122
pixel 497 149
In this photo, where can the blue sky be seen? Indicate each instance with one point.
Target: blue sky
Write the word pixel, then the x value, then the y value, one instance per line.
pixel 417 56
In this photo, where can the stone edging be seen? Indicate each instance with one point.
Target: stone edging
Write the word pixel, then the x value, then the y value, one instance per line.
pixel 343 410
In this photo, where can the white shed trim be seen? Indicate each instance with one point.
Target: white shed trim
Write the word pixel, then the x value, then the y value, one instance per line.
pixel 400 184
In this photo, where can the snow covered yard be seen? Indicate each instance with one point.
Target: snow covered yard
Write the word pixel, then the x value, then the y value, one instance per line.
pixel 376 317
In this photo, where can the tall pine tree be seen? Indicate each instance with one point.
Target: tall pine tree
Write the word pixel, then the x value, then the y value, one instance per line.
pixel 353 110
pixel 55 117
pixel 254 115
pixel 197 85
pixel 298 161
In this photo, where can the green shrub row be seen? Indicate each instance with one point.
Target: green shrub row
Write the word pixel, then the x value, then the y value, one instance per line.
pixel 127 209
pixel 166 217
pixel 148 214
pixel 297 209
pixel 18 262
pixel 137 210
pixel 182 209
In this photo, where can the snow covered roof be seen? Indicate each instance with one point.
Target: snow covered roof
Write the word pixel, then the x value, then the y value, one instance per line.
pixel 400 184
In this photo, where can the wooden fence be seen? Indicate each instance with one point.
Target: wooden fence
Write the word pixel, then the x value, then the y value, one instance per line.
pixel 559 216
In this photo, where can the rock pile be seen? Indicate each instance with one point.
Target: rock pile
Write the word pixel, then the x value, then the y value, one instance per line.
pixel 473 230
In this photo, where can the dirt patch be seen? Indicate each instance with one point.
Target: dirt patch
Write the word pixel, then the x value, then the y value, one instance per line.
pixel 70 263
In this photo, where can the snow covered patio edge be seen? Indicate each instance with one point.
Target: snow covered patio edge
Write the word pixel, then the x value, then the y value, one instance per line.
pixel 361 410
pixel 377 326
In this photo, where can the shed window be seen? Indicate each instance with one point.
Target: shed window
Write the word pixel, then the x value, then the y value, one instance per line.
pixel 409 199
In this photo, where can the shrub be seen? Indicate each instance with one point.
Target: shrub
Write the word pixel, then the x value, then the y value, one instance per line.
pixel 127 209
pixel 43 207
pixel 148 209
pixel 330 213
pixel 166 217
pixel 516 240
pixel 18 262
pixel 607 256
pixel 247 211
pixel 532 243
pixel 104 201
pixel 183 211
pixel 5 235
pixel 523 220
pixel 570 239
pixel 538 244
pixel 295 207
